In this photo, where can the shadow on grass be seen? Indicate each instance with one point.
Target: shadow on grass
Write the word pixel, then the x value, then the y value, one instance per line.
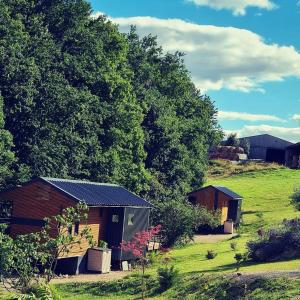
pixel 128 286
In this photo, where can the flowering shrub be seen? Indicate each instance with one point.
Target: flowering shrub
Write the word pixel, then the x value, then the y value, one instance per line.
pixel 137 246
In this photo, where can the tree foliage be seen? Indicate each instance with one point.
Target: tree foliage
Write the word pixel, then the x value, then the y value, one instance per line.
pixel 82 100
pixel 179 220
pixel 232 140
pixel 29 258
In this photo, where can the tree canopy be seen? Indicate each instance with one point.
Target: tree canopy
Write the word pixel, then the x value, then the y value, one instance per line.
pixel 82 100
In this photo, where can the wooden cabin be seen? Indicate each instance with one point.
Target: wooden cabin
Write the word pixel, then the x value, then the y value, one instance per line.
pixel 218 197
pixel 114 214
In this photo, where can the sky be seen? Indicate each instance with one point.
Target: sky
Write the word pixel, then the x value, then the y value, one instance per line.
pixel 244 54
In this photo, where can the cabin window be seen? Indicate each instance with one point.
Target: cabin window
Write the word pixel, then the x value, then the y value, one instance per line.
pixel 130 219
pixel 115 218
pixel 76 228
pixel 193 199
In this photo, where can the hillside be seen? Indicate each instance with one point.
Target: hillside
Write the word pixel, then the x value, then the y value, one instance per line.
pixel 266 202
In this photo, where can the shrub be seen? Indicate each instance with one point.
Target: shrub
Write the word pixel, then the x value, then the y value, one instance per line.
pixel 102 244
pixel 295 198
pixel 211 254
pixel 166 277
pixel 233 246
pixel 238 257
pixel 179 219
pixel 282 242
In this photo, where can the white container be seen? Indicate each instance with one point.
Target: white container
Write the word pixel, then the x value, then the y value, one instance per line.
pixel 228 227
pixel 99 260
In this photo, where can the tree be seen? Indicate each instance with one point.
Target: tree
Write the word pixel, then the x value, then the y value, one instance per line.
pixel 295 198
pixel 28 258
pixel 232 140
pixel 138 247
pixel 245 144
pixel 180 219
pixel 179 122
pixel 7 157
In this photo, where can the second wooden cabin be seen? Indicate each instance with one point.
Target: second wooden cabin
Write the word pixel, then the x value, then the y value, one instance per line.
pixel 219 198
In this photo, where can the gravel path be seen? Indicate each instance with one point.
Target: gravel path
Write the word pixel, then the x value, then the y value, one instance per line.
pixel 114 275
pixel 212 238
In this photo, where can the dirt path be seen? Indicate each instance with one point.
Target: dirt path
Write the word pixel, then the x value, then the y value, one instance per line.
pixel 114 275
pixel 212 238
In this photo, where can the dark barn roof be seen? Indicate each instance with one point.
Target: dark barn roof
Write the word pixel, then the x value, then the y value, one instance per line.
pixel 222 189
pixel 97 194
pixel 297 145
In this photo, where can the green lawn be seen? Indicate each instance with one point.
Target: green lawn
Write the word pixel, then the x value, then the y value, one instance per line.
pixel 265 192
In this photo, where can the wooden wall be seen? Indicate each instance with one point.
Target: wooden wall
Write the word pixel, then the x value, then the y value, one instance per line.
pixel 38 200
pixel 206 198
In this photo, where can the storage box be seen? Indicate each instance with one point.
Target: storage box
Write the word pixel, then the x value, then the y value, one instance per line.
pixel 99 260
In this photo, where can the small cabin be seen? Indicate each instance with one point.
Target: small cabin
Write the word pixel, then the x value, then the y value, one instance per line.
pixel 114 214
pixel 219 198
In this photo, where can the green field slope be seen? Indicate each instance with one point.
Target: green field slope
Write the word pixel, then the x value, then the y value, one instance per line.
pixel 266 191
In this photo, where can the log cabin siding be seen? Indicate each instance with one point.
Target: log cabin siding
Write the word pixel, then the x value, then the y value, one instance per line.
pixel 38 200
pixel 206 198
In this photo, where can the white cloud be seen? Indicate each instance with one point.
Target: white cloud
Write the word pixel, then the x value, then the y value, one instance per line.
pixel 296 117
pixel 220 57
pixel 290 134
pixel 232 115
pixel 238 7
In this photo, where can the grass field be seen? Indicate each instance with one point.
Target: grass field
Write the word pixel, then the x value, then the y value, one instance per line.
pixel 266 202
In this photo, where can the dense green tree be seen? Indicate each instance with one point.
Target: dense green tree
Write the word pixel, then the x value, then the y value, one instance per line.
pixel 179 122
pixel 82 100
pixel 232 140
pixel 68 96
pixel 7 157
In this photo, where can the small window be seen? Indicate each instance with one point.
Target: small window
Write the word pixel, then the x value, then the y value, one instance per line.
pixel 130 219
pixel 76 228
pixel 115 218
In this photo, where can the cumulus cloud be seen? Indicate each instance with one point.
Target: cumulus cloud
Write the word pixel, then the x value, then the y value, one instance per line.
pixel 232 115
pixel 290 134
pixel 220 57
pixel 238 7
pixel 296 117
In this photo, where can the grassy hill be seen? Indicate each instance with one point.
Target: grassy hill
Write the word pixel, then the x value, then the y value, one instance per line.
pixel 266 202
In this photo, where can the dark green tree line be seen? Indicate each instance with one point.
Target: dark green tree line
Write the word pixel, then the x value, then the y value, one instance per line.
pixel 81 100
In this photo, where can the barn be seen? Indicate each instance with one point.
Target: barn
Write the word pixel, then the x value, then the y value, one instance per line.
pixel 267 148
pixel 215 197
pixel 115 214
pixel 293 156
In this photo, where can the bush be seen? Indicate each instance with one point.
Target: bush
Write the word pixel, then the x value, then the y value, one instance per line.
pixel 278 243
pixel 179 219
pixel 211 254
pixel 166 277
pixel 233 246
pixel 295 198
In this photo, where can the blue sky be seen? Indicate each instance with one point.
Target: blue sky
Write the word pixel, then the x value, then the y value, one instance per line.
pixel 245 54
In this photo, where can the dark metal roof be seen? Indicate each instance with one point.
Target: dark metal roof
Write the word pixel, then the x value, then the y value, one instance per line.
pixel 222 189
pixel 97 194
pixel 293 146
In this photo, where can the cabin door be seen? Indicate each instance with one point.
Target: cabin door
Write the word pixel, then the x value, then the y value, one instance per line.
pixel 115 230
pixel 232 210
